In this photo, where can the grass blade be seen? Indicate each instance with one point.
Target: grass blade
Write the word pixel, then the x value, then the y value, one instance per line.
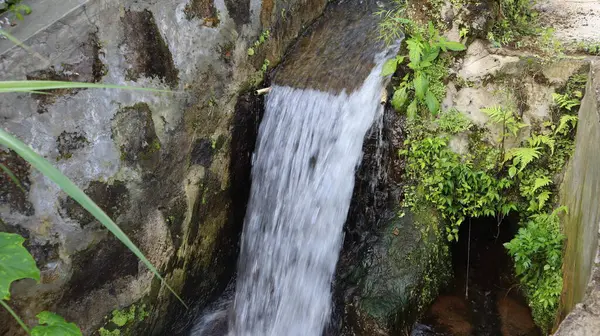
pixel 15 316
pixel 39 85
pixel 12 176
pixel 78 195
pixel 20 44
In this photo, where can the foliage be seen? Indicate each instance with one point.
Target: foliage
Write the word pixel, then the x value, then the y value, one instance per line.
pixel 537 253
pixel 516 18
pixel 261 39
pixel 53 325
pixel 565 101
pixel 15 7
pixel 506 118
pixel 489 183
pixel 451 185
pixel 15 263
pixel 417 90
pixel 453 122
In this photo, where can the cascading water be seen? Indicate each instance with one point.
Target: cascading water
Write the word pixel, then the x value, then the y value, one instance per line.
pixel 309 145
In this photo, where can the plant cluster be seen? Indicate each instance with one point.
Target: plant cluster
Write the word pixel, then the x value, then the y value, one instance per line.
pixel 261 39
pixel 16 263
pixel 421 89
pixel 537 254
pixel 516 19
pixel 15 7
pixel 493 181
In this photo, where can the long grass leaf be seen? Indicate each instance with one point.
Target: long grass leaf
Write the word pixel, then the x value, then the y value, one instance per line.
pixel 12 176
pixel 39 85
pixel 15 316
pixel 78 195
pixel 20 44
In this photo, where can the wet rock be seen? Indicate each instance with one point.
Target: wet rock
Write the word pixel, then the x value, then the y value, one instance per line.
pixel 203 9
pixel 202 153
pixel 69 142
pixel 185 217
pixel 111 198
pixel 99 265
pixel 145 48
pixel 134 133
pixel 15 193
pixel 88 68
pixel 239 11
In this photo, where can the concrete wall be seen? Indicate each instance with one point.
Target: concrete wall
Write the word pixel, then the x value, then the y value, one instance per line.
pixel 581 193
pixel 162 165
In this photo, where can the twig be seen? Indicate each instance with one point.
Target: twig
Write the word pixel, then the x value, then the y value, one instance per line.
pixel 468 261
pixel 384 97
pixel 263 91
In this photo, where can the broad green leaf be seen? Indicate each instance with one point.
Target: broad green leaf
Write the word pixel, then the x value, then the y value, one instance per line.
pixel 432 103
pixel 54 325
pixel 411 110
pixel 431 55
pixel 415 50
pixel 78 195
pixel 454 46
pixel 512 171
pixel 15 263
pixel 389 67
pixel 35 85
pixel 399 99
pixel 421 84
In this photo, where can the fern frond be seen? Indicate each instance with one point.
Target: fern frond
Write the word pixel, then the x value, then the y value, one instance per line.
pixel 565 101
pixel 537 140
pixel 523 156
pixel 497 114
pixel 541 182
pixel 563 125
pixel 543 198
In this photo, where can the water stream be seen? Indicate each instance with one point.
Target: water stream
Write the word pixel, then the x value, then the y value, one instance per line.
pixel 309 145
pixel 308 148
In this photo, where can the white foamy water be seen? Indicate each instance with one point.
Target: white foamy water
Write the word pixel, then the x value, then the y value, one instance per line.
pixel 309 145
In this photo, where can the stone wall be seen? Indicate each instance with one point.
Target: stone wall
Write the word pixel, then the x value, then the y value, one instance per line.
pixel 163 165
pixel 580 192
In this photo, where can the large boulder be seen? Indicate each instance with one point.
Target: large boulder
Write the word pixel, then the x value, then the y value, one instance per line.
pixel 171 168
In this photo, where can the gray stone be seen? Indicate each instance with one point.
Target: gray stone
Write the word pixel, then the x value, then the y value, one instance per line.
pixel 133 151
pixel 579 192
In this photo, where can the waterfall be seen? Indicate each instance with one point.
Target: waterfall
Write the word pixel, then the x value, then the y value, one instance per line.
pixel 309 145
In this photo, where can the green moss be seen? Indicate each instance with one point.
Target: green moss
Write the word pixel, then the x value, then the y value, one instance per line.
pixel 104 332
pixel 122 321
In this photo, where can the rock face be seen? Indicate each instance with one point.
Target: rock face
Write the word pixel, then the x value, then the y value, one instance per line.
pixel 581 268
pixel 382 281
pixel 171 168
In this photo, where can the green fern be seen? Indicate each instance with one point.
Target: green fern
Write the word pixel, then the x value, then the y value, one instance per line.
pixel 543 198
pixel 537 140
pixel 505 117
pixel 563 125
pixel 523 156
pixel 541 182
pixel 565 101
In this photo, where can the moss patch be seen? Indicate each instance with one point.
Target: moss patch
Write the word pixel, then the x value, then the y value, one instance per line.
pixel 69 142
pixel 203 9
pixel 112 198
pixel 135 135
pixel 148 53
pixel 11 193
